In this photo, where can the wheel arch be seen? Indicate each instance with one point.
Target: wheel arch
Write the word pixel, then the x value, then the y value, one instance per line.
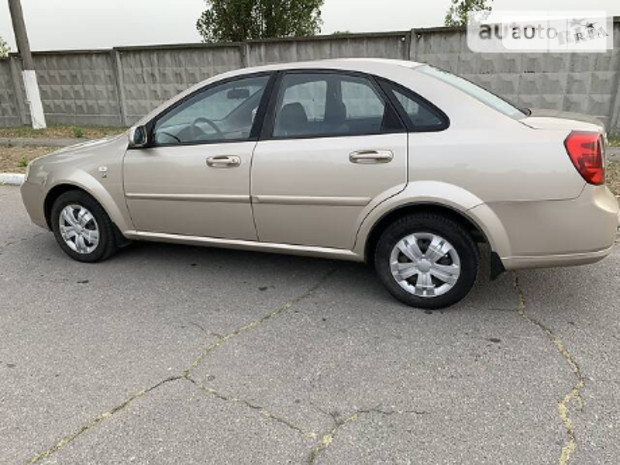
pixel 468 222
pixel 53 194
pixel 57 190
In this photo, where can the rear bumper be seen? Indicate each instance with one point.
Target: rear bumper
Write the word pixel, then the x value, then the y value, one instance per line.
pixel 550 261
pixel 559 233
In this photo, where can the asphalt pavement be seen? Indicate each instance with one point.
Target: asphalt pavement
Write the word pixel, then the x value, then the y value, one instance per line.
pixel 180 355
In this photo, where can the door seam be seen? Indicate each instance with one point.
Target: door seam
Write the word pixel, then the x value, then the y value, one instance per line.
pixel 250 192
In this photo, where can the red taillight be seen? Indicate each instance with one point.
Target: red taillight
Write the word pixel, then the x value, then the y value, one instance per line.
pixel 586 152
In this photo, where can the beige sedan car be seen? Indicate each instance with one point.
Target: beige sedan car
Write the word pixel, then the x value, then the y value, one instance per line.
pixel 394 163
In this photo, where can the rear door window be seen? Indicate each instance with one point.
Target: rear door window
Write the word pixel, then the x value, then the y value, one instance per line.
pixel 331 104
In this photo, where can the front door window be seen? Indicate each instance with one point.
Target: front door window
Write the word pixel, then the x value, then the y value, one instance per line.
pixel 221 113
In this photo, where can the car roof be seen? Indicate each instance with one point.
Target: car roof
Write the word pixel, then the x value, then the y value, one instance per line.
pixel 351 64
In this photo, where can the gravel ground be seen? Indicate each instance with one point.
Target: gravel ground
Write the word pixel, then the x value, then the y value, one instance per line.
pixel 15 159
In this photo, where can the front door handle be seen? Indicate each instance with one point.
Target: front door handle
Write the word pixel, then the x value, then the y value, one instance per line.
pixel 368 157
pixel 224 161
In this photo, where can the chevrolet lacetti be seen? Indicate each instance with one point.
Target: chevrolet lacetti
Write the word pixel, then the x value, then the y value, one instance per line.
pixel 394 163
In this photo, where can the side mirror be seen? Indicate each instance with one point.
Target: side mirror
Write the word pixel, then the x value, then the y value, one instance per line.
pixel 138 137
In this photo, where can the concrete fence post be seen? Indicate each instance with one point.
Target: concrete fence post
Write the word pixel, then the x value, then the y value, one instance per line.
pixel 413 45
pixel 407 47
pixel 613 125
pixel 614 115
pixel 29 75
pixel 244 50
pixel 19 96
pixel 117 64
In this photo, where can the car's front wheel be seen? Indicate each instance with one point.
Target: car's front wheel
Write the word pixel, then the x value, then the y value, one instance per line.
pixel 82 227
pixel 427 260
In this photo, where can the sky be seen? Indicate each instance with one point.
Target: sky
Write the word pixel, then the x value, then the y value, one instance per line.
pixel 88 24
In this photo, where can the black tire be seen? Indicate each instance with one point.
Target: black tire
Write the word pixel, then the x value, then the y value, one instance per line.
pixel 438 225
pixel 107 245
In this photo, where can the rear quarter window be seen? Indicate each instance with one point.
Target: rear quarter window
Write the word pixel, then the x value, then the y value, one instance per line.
pixel 421 115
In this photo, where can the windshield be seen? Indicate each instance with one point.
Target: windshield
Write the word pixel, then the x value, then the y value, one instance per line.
pixel 475 91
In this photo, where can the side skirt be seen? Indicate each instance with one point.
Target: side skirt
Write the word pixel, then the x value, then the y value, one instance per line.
pixel 271 247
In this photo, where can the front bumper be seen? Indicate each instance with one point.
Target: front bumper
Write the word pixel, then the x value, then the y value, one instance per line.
pixel 33 197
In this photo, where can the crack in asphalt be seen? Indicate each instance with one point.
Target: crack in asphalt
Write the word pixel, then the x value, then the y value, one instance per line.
pixel 254 324
pixel 328 438
pixel 575 393
pixel 262 411
pixel 205 332
pixel 186 375
pixel 98 419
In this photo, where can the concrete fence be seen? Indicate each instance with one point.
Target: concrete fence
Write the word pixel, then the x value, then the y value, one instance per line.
pixel 116 87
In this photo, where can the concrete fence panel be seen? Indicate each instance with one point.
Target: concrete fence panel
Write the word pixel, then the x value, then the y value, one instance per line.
pixel 386 45
pixel 78 88
pixel 9 110
pixel 153 75
pixel 574 82
pixel 117 87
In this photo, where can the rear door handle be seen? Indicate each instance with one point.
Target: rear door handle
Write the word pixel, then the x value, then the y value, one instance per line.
pixel 371 157
pixel 224 161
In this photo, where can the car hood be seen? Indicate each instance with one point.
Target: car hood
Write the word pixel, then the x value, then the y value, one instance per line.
pixel 555 119
pixel 82 149
pixel 87 158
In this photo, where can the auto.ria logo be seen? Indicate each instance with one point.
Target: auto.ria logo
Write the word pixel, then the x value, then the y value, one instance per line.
pixel 536 32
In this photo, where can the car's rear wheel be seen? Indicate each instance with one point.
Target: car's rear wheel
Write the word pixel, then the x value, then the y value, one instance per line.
pixel 427 261
pixel 82 227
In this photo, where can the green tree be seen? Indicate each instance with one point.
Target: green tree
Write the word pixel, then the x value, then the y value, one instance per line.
pixel 460 9
pixel 4 48
pixel 239 20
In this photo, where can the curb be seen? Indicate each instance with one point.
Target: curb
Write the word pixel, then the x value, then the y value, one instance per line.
pixel 11 179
